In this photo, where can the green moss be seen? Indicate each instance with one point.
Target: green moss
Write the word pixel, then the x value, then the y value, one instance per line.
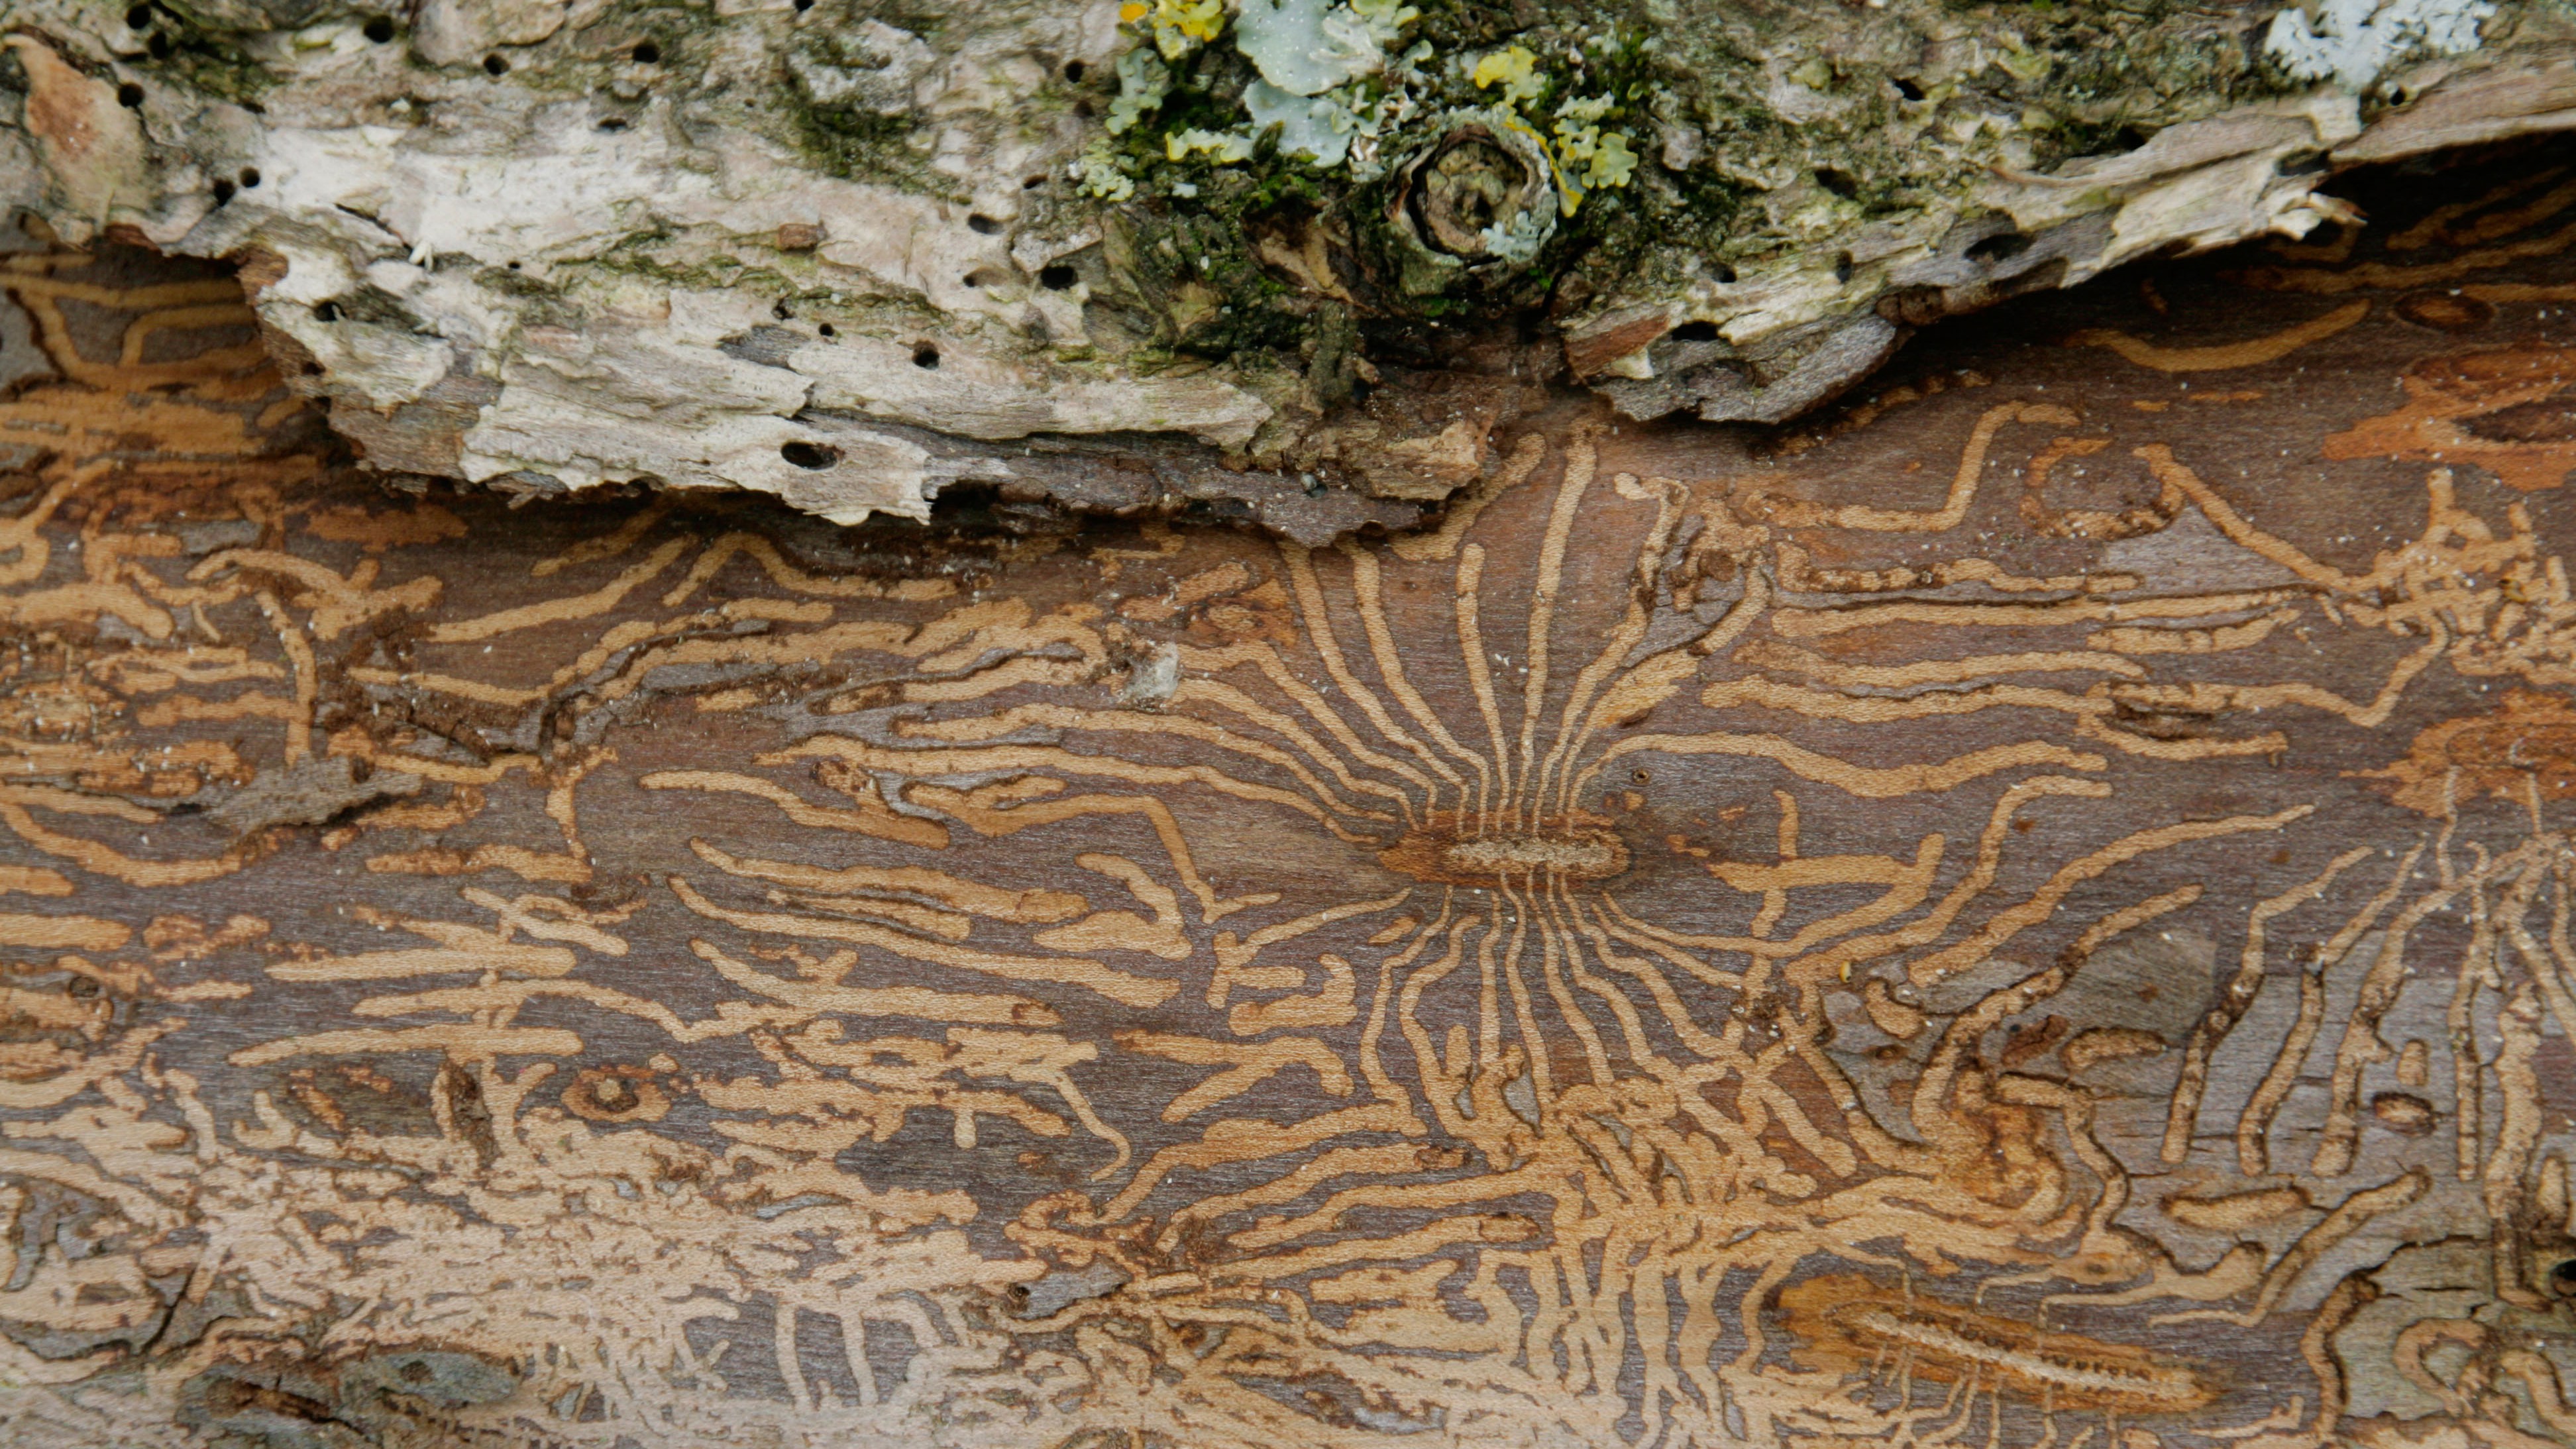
pixel 647 256
pixel 863 146
pixel 1193 271
pixel 2116 76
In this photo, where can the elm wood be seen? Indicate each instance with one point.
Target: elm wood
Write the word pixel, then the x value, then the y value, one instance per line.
pixel 2030 910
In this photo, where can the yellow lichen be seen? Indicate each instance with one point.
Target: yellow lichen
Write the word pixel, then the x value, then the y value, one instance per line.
pixel 1513 68
pixel 1612 163
pixel 1179 26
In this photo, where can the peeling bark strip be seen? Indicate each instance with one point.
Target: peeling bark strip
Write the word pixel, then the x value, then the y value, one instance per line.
pixel 1298 259
pixel 2033 911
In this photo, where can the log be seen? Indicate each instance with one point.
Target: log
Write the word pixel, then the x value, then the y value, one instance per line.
pixel 2028 909
pixel 857 253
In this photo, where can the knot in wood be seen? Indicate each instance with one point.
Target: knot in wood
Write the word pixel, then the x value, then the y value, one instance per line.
pixel 1481 193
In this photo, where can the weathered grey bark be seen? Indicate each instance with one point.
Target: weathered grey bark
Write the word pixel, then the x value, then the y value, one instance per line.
pixel 852 252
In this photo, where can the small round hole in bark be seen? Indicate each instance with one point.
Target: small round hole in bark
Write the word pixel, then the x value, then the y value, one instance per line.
pixel 982 225
pixel 249 177
pixel 1057 278
pixel 129 95
pixel 223 192
pixel 1695 332
pixel 1843 269
pixel 925 356
pixel 803 454
pixel 647 53
pixel 828 330
pixel 159 45
pixel 493 64
pixel 138 17
pixel 2000 247
pixel 1033 183
pixel 613 123
pixel 380 29
pixel 2562 1279
pixel 1908 89
pixel 1840 183
pixel 326 311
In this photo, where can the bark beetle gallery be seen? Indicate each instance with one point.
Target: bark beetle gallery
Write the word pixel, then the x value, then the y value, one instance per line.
pixel 2031 911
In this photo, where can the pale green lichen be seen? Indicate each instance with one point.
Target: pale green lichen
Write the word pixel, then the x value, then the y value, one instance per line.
pixel 2352 41
pixel 1317 128
pixel 1326 89
pixel 1305 47
pixel 1099 175
pixel 1143 82
pixel 1516 239
pixel 1221 147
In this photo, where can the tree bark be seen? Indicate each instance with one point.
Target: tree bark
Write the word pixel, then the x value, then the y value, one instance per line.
pixel 1302 258
pixel 2031 908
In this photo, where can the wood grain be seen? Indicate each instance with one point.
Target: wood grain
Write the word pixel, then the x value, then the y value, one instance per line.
pixel 2031 910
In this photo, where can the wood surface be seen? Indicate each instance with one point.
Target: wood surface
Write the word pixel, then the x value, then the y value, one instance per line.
pixel 2029 909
